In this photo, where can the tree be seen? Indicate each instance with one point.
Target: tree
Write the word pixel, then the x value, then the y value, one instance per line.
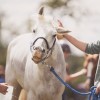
pixel 2 15
pixel 55 3
pixel 11 29
pixel 72 8
pixel 28 25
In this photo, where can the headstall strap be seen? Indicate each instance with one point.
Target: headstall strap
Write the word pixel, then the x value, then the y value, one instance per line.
pixel 43 39
pixel 50 49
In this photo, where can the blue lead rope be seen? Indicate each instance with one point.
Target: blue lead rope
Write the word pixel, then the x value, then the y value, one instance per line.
pixel 92 94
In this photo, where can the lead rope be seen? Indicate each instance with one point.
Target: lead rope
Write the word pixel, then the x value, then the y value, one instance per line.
pixel 92 94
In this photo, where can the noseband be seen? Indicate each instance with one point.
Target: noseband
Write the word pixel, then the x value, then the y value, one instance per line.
pixel 49 49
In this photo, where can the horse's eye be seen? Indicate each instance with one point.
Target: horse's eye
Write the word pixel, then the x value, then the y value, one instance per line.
pixel 34 30
pixel 54 35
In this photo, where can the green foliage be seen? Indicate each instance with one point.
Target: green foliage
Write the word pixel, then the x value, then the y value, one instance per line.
pixel 55 3
pixel 76 64
pixel 2 55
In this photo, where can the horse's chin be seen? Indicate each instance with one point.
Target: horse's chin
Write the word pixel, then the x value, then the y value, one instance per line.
pixel 36 59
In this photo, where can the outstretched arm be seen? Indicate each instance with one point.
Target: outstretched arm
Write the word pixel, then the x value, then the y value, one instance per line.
pixel 75 75
pixel 79 44
pixel 63 33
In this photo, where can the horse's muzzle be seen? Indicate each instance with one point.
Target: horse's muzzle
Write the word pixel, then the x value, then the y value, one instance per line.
pixel 37 56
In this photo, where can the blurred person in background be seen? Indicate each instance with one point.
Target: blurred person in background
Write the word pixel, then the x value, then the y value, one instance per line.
pixel 66 51
pixel 3 85
pixel 89 70
pixel 90 64
pixel 2 74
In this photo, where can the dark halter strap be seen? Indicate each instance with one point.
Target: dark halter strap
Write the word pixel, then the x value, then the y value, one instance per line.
pixel 50 49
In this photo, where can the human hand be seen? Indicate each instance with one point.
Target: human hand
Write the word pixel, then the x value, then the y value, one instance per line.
pixel 3 88
pixel 68 78
pixel 59 36
pixel 98 88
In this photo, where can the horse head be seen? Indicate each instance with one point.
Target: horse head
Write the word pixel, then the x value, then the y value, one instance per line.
pixel 45 37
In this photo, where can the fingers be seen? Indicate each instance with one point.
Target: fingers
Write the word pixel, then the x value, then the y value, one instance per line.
pixel 5 83
pixel 4 93
pixel 68 78
pixel 62 30
pixel 97 90
pixel 60 36
pixel 3 88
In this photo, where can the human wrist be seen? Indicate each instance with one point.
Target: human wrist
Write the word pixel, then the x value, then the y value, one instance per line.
pixel 89 77
pixel 65 35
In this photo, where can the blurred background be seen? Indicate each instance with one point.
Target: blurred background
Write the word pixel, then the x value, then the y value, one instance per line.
pixel 82 17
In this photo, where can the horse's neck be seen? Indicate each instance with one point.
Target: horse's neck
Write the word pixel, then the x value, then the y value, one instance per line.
pixel 44 73
pixel 53 61
pixel 56 60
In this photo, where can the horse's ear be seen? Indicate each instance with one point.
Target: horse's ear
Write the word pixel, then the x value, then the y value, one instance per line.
pixel 60 28
pixel 41 11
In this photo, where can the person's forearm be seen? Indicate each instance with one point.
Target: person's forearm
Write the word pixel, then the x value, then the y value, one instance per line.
pixel 79 44
pixel 77 74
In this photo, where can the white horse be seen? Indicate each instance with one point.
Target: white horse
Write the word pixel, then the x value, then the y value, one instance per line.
pixel 25 68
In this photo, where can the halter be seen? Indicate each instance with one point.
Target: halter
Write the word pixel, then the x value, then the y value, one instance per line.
pixel 49 49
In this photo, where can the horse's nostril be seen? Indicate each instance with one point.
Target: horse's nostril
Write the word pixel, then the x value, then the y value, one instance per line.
pixel 36 48
pixel 43 50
